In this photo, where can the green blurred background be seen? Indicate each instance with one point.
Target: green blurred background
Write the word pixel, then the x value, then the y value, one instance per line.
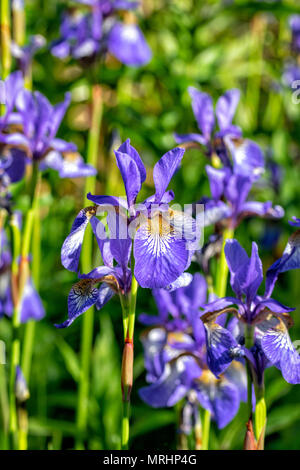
pixel 213 45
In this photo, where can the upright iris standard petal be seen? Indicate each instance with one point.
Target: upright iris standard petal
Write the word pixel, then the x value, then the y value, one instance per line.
pixel 203 110
pixel 81 297
pixel 278 347
pixel 254 274
pixel 71 249
pixel 217 180
pixel 164 169
pixel 131 151
pixel 174 383
pixel 127 43
pixel 237 261
pixel 226 107
pixel 160 254
pixel 131 176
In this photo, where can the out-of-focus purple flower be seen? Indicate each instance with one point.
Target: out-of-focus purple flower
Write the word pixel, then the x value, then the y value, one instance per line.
pixel 291 76
pixel 89 35
pixel 175 359
pixel 247 157
pixel 269 318
pixel 294 23
pixel 229 199
pixel 31 305
pixel 24 55
pixel 9 91
pixel 39 121
pixel 21 387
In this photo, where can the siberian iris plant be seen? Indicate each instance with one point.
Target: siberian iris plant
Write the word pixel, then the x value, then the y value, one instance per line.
pixel 149 244
pixel 260 335
pixel 35 125
pixel 89 34
pixel 93 34
pixel 246 156
pixel 176 363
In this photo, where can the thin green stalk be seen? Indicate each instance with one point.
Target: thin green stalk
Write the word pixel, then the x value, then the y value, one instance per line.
pixel 15 346
pixel 205 429
pixel 19 27
pixel 248 345
pixel 87 255
pixel 30 326
pixel 5 30
pixel 127 363
pixel 4 403
pixel 125 425
pixel 260 415
pixel 222 272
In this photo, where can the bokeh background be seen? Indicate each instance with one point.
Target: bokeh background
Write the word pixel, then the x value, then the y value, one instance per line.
pixel 213 45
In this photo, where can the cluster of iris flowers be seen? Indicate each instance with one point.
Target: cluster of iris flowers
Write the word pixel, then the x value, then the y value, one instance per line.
pixel 204 350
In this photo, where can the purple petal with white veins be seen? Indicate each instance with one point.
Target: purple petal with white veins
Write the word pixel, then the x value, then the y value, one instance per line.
pixel 105 294
pixel 278 347
pixel 71 249
pixel 81 297
pixel 160 258
pixel 247 156
pixel 219 343
pixel 214 211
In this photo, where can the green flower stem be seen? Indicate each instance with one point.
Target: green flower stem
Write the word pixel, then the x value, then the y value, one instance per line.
pixel 222 272
pixel 30 326
pixel 4 405
pixel 260 415
pixel 205 429
pixel 5 30
pixel 248 345
pixel 127 360
pixel 15 346
pixel 220 291
pixel 87 257
pixel 19 26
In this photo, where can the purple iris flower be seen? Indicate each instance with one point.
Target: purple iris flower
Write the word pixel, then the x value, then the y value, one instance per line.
pixel 246 155
pixel 290 258
pixel 269 318
pixel 89 35
pixel 229 199
pixel 175 358
pixel 114 276
pixel 31 305
pixel 161 240
pixel 294 23
pixel 24 55
pixel 39 122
